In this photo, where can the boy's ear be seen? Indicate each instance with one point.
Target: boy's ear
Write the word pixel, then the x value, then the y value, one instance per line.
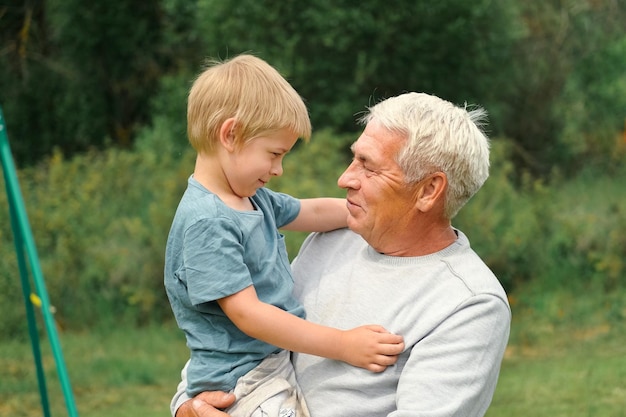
pixel 227 134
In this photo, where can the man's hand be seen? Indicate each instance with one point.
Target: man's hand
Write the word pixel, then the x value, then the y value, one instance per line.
pixel 206 404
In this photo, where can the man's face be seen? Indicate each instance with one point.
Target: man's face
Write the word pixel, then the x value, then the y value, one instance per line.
pixel 377 196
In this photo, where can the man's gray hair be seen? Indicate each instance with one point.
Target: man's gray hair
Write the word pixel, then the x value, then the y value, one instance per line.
pixel 440 137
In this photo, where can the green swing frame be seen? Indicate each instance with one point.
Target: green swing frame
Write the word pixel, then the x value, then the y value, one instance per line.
pixel 28 259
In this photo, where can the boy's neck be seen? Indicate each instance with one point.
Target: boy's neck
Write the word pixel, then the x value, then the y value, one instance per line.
pixel 208 173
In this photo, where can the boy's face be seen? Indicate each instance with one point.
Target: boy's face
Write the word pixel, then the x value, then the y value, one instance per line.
pixel 254 164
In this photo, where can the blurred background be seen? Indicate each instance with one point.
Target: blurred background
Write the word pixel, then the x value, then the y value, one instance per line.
pixel 94 98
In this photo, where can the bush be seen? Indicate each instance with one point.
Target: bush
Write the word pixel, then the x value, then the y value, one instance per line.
pixel 100 223
pixel 563 233
pixel 503 220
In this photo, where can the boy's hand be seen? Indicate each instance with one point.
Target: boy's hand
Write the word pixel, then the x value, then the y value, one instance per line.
pixel 371 347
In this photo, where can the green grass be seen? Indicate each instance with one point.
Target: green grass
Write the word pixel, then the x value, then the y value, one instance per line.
pixel 566 355
pixel 565 358
pixel 125 372
pixel 570 372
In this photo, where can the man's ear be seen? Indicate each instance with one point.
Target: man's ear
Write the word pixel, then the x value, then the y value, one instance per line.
pixel 431 191
pixel 227 134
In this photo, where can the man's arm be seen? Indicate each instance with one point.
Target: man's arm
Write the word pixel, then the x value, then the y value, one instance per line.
pixel 453 371
pixel 320 215
pixel 370 347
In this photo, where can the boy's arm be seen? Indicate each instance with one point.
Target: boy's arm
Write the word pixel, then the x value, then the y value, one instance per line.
pixel 370 347
pixel 320 215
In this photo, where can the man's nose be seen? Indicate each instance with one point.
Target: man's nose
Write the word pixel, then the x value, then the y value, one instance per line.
pixel 348 179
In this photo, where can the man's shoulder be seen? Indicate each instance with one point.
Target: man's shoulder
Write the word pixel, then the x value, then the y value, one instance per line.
pixel 331 238
pixel 324 245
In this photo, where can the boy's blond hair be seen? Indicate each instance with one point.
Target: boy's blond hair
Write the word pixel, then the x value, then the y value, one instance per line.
pixel 249 90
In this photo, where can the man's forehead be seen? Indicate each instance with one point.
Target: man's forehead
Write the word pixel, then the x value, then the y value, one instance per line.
pixel 376 140
pixel 365 146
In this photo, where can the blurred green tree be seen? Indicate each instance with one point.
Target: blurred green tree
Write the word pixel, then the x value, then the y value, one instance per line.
pixel 344 55
pixel 77 74
pixel 568 55
pixel 550 73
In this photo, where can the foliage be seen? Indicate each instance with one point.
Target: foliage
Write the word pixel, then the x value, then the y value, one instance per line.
pixel 550 232
pixel 550 112
pixel 110 53
pixel 75 76
pixel 594 104
pixel 100 222
pixel 503 221
pixel 342 58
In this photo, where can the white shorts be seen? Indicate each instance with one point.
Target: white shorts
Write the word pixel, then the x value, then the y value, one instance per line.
pixel 269 390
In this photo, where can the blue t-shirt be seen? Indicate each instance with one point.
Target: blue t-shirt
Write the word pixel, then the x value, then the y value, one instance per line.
pixel 214 251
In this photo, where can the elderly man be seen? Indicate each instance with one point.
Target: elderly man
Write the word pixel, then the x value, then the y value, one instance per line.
pixel 403 265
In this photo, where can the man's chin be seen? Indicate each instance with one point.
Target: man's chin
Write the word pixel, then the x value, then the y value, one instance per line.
pixel 354 224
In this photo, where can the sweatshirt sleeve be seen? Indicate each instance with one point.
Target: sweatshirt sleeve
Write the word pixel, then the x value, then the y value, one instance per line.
pixel 453 371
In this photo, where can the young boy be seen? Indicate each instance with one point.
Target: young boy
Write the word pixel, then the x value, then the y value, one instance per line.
pixel 227 274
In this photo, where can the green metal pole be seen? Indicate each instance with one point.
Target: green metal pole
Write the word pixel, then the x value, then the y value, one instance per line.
pixel 30 313
pixel 24 239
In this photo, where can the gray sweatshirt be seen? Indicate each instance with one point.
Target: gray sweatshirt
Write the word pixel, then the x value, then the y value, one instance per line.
pixel 449 307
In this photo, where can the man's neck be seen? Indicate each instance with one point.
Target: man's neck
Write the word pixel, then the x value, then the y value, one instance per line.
pixel 418 241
